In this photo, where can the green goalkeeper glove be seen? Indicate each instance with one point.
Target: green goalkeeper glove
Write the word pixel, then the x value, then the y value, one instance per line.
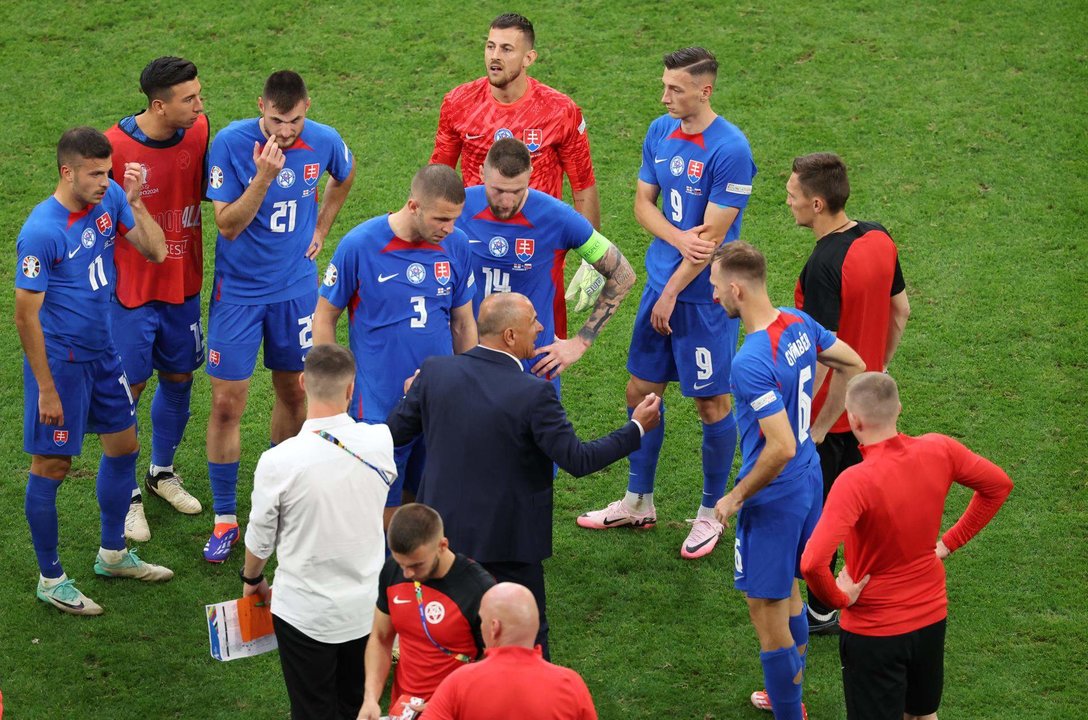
pixel 584 287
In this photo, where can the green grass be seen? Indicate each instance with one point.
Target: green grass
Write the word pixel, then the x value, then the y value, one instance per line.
pixel 963 126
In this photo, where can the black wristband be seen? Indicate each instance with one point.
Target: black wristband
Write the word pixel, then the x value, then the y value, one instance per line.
pixel 250 581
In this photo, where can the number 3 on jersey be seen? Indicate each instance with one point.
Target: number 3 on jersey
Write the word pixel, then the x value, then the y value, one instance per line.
pixel 419 305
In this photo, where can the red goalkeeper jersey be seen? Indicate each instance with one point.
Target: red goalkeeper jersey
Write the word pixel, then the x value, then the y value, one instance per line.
pixel 546 120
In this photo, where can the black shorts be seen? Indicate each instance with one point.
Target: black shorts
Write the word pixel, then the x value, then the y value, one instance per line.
pixel 884 677
pixel 837 452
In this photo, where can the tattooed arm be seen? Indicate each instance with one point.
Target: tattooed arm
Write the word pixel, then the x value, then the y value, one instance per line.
pixel 619 279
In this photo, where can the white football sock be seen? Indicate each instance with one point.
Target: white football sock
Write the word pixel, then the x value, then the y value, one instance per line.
pixel 705 513
pixel 112 557
pixel 638 502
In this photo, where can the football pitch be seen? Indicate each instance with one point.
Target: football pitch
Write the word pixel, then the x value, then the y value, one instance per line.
pixel 963 126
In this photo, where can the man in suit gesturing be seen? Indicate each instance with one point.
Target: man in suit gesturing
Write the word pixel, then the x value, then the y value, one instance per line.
pixel 493 432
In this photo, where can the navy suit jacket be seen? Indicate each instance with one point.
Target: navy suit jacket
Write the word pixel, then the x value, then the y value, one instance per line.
pixel 492 432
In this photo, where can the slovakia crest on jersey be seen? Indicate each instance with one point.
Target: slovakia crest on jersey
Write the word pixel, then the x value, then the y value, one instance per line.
pixel 104 223
pixel 442 272
pixel 695 170
pixel 213 358
pixel 311 172
pixel 524 248
pixel 60 437
pixel 533 139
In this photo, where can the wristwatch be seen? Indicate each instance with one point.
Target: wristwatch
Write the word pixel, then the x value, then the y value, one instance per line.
pixel 250 581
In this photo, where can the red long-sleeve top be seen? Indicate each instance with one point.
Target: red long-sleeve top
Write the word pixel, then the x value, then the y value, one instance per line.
pixel 888 509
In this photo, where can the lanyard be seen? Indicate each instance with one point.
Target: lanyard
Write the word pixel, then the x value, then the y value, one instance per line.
pixel 381 473
pixel 460 657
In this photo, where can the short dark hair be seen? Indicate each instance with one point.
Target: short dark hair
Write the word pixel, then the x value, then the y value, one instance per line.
pixel 284 89
pixel 693 60
pixel 823 174
pixel 328 370
pixel 520 22
pixel 741 258
pixel 80 143
pixel 162 74
pixel 509 156
pixel 413 525
pixel 438 182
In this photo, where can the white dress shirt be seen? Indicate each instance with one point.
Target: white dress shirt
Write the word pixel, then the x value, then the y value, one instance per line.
pixel 320 510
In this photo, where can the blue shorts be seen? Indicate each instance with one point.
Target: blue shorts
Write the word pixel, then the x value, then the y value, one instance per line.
pixel 236 331
pixel 159 335
pixel 771 537
pixel 94 395
pixel 698 354
pixel 410 459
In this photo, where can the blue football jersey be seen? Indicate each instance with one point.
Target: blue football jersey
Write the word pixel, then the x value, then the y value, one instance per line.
pixel 267 261
pixel 69 256
pixel 524 254
pixel 399 296
pixel 693 170
pixel 774 370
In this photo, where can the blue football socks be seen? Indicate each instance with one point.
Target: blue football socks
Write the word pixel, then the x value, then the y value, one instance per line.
pixel 799 631
pixel 169 416
pixel 223 477
pixel 114 489
pixel 644 460
pixel 719 444
pixel 41 515
pixel 780 667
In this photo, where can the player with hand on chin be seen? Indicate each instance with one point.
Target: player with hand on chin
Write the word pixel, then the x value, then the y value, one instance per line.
pixel 263 183
pixel 156 314
pixel 777 494
pixel 73 378
pixel 700 167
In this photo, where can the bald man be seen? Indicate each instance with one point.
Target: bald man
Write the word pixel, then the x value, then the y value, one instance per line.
pixel 493 433
pixel 512 678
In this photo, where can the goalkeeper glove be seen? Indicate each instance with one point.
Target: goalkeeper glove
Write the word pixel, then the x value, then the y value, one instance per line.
pixel 584 287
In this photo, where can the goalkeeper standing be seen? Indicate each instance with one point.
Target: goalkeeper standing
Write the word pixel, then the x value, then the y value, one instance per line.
pixel 508 103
